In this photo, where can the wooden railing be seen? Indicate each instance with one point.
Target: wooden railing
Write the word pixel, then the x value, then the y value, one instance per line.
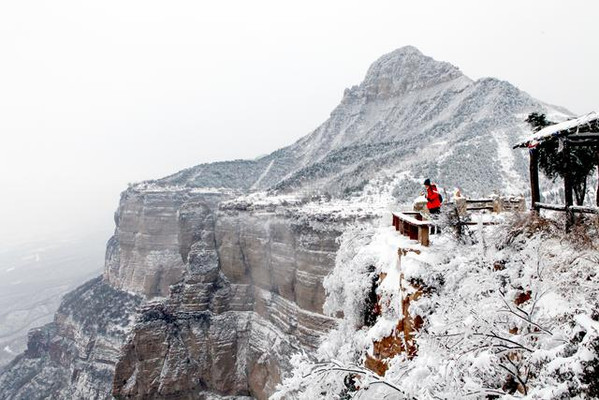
pixel 497 205
pixel 411 224
pixel 563 207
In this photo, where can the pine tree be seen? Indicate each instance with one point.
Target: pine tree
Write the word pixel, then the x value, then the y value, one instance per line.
pixel 554 161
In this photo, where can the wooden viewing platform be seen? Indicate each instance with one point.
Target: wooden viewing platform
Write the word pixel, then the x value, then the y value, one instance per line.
pixel 411 224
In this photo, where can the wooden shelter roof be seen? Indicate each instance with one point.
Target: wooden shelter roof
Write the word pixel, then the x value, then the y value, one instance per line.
pixel 586 124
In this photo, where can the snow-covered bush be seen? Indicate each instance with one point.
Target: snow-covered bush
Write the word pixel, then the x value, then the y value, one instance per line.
pixel 515 318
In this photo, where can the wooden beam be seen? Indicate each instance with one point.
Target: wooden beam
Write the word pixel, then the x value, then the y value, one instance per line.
pixel 574 209
pixel 411 224
pixel 423 236
pixel 587 210
pixel 412 220
pixel 578 136
pixel 583 142
pixel 535 192
pixel 554 207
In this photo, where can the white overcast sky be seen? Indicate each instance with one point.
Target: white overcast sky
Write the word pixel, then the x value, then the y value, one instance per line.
pixel 96 94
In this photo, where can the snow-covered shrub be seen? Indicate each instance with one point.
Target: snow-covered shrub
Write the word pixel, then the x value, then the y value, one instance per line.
pixel 451 221
pixel 584 232
pixel 516 318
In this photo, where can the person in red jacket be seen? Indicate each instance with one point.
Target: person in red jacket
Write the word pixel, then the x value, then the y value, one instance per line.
pixel 433 198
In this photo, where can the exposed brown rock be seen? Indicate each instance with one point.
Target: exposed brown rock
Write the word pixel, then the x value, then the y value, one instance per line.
pixel 522 297
pixel 401 340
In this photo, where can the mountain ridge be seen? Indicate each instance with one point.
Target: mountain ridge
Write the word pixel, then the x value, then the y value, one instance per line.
pixel 405 98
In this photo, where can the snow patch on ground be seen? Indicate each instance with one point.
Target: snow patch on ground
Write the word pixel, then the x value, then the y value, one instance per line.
pixel 266 171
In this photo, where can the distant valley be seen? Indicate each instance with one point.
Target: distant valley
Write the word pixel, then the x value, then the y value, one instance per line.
pixel 33 278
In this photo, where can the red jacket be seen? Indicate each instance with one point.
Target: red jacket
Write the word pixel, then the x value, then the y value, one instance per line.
pixel 432 195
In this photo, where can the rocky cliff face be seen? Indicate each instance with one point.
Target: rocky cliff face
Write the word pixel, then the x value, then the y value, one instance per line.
pixel 243 291
pixel 252 294
pixel 74 357
pixel 145 254
pixel 209 293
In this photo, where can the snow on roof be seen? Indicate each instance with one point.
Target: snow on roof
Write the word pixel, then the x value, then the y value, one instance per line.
pixel 561 129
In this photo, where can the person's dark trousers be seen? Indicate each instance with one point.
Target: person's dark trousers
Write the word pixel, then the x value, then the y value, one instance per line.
pixel 435 212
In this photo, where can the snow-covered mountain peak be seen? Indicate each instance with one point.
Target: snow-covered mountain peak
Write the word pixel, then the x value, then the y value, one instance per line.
pixel 411 114
pixel 403 71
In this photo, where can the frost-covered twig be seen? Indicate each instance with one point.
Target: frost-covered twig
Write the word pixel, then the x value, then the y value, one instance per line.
pixel 504 348
pixel 493 335
pixel 525 317
pixel 515 375
pixel 333 365
pixel 535 301
pixel 486 392
pixel 523 381
pixel 540 265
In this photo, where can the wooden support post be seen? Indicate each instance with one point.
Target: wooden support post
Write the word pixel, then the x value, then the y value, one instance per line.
pixel 423 235
pixel 568 189
pixel 535 192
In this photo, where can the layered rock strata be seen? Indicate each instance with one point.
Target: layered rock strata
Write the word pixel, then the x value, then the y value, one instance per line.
pixel 209 300
pixel 144 255
pixel 251 296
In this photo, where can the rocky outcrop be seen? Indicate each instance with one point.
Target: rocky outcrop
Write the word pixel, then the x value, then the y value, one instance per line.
pixel 144 255
pixel 227 295
pixel 74 357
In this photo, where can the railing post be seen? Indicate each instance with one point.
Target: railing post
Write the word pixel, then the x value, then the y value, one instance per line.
pixel 423 235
